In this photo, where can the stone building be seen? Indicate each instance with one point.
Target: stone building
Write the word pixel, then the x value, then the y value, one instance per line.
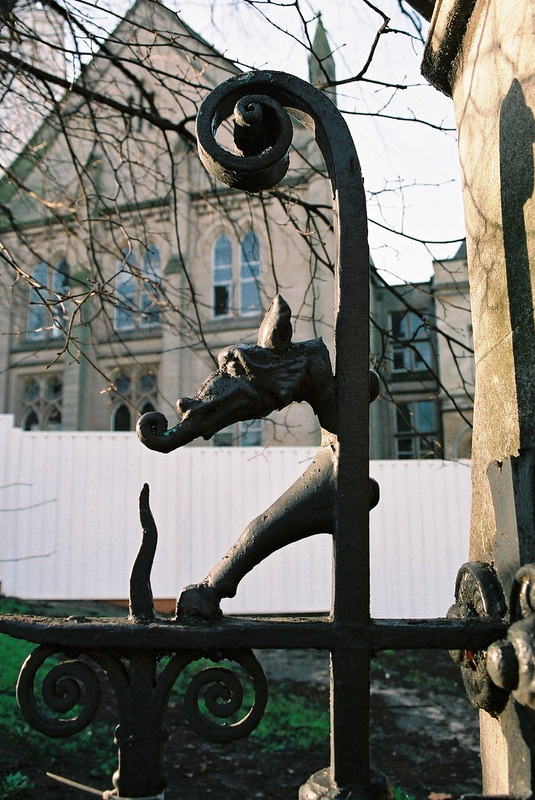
pixel 405 420
pixel 24 104
pixel 455 353
pixel 421 346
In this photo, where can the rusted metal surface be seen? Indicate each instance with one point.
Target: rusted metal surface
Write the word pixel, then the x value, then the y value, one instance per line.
pixel 266 632
pixel 141 606
pixel 251 382
pixel 265 96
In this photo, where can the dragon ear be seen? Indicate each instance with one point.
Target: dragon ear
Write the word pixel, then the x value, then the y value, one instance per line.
pixel 275 331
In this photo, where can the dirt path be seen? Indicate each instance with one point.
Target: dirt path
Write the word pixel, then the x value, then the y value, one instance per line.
pixel 425 739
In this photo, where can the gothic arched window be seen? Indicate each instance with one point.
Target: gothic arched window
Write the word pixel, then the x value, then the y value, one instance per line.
pixel 47 301
pixel 126 292
pixel 149 289
pixel 249 274
pixel 222 268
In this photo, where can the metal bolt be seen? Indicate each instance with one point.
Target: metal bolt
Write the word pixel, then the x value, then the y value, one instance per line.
pixel 502 665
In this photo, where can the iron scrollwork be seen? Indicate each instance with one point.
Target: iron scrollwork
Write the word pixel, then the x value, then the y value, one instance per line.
pixel 222 702
pixel 66 686
pixel 221 692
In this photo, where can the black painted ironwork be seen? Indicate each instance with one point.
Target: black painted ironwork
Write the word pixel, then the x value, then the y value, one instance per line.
pixel 511 662
pixel 479 595
pixel 144 655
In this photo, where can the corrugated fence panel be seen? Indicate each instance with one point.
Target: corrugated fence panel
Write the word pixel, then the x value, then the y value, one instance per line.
pixel 69 524
pixel 419 536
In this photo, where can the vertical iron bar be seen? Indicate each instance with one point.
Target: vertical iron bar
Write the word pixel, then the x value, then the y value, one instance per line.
pixel 350 754
pixel 350 705
pixel 351 602
pixel 139 733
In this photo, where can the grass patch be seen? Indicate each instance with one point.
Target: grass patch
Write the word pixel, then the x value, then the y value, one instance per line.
pixel 11 605
pixel 292 721
pixel 405 668
pixel 14 785
pixel 400 794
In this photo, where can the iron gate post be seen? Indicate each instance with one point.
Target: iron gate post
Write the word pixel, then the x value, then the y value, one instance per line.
pixel 350 761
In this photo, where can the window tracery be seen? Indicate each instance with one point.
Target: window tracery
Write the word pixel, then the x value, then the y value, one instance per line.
pixel 138 290
pixel 47 301
pixel 236 276
pixel 41 403
pixel 134 392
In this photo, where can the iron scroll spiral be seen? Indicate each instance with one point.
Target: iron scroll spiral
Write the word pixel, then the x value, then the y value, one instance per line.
pixel 221 692
pixel 262 134
pixel 66 685
pixel 259 102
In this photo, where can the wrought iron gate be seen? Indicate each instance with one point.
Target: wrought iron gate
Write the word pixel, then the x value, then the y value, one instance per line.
pixel 144 655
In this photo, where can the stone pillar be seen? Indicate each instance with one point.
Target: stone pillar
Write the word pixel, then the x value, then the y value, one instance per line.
pixel 484 57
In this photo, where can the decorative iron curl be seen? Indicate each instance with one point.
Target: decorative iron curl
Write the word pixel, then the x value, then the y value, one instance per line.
pixel 260 102
pixel 262 134
pixel 223 697
pixel 66 685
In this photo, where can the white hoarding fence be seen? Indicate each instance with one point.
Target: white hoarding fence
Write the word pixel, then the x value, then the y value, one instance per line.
pixel 69 524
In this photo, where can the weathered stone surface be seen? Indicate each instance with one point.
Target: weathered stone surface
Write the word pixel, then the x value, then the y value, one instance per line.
pixel 493 93
pixel 491 77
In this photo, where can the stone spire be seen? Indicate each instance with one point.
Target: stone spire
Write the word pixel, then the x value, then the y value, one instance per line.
pixel 321 66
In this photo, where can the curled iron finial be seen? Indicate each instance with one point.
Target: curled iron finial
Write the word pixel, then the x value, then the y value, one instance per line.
pixel 67 686
pixel 141 601
pixel 261 125
pixel 260 103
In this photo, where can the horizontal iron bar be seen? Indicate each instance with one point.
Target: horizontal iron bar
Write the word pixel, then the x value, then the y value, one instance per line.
pixel 259 632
